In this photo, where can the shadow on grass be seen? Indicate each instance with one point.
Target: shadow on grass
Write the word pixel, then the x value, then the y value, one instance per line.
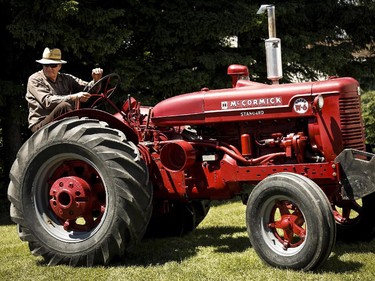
pixel 162 250
pixel 159 251
pixel 221 239
pixel 335 265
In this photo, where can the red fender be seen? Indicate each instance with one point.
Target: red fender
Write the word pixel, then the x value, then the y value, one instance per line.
pixel 112 121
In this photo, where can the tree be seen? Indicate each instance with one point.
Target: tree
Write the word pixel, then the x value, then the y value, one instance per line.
pixel 368 114
pixel 12 105
pixel 178 46
pixel 320 38
pixel 29 26
pixel 164 48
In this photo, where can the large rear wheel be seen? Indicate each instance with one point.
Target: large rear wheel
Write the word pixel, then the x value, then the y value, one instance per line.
pixel 80 193
pixel 290 222
pixel 355 219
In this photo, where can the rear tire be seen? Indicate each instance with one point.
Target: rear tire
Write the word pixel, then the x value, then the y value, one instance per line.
pixel 355 220
pixel 290 222
pixel 111 193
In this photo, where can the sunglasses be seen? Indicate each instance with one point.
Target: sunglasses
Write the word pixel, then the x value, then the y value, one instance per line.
pixel 50 65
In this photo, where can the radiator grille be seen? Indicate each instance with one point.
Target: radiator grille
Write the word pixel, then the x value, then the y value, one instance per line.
pixel 351 122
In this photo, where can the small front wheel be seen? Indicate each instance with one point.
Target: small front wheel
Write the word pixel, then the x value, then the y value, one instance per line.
pixel 290 222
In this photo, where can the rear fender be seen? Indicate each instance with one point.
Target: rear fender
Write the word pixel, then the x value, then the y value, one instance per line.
pixel 111 120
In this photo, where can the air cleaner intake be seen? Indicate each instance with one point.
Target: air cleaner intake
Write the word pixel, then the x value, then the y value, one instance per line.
pixel 177 156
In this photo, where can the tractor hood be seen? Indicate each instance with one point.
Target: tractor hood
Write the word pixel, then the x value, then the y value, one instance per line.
pixel 247 102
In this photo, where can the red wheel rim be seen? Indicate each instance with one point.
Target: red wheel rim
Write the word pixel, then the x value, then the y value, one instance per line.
pixel 77 196
pixel 287 224
pixel 347 212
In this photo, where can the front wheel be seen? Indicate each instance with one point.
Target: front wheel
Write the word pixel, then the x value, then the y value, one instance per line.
pixel 79 193
pixel 290 222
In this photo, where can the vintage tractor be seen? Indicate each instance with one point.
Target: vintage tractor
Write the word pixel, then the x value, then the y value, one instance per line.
pixel 87 187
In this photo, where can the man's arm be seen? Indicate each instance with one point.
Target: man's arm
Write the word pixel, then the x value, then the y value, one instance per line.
pixel 80 85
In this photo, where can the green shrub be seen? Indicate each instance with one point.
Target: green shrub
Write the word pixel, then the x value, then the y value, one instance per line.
pixel 368 114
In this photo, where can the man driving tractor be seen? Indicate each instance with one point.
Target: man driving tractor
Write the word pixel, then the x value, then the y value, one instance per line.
pixel 51 93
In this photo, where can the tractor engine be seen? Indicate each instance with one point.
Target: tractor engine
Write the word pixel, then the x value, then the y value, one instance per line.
pixel 210 144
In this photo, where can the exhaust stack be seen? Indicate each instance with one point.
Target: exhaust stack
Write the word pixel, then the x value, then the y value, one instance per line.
pixel 273 46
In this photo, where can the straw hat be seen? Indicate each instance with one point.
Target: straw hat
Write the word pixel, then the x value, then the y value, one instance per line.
pixel 51 56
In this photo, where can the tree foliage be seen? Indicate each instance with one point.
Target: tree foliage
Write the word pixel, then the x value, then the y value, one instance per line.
pixel 178 47
pixel 84 28
pixel 333 37
pixel 164 48
pixel 368 114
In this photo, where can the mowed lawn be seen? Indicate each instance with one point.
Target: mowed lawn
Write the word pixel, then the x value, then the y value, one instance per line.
pixel 218 249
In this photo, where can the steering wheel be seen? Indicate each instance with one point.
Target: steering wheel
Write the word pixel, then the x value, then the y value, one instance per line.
pixel 104 88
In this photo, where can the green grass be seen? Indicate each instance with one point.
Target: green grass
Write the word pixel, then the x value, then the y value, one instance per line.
pixel 218 250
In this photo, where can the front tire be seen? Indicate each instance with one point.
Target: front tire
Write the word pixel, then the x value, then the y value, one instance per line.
pixel 290 222
pixel 80 193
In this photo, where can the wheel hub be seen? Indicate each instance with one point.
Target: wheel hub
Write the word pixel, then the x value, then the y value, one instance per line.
pixel 70 197
pixel 290 222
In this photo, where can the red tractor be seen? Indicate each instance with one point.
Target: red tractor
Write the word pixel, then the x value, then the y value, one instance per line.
pixel 87 187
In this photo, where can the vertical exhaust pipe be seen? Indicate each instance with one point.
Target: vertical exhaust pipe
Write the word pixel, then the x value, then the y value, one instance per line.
pixel 273 46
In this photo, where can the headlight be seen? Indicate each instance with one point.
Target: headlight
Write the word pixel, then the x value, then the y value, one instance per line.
pixel 318 103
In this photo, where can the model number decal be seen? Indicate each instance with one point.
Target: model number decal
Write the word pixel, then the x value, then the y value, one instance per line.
pixel 301 106
pixel 252 113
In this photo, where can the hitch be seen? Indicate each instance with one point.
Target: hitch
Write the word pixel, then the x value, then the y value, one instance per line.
pixel 357 173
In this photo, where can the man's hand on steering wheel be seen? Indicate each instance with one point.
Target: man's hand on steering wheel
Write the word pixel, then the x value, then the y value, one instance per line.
pixel 81 96
pixel 104 88
pixel 97 73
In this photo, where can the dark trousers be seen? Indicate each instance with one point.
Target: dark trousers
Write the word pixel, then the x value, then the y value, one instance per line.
pixel 60 109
